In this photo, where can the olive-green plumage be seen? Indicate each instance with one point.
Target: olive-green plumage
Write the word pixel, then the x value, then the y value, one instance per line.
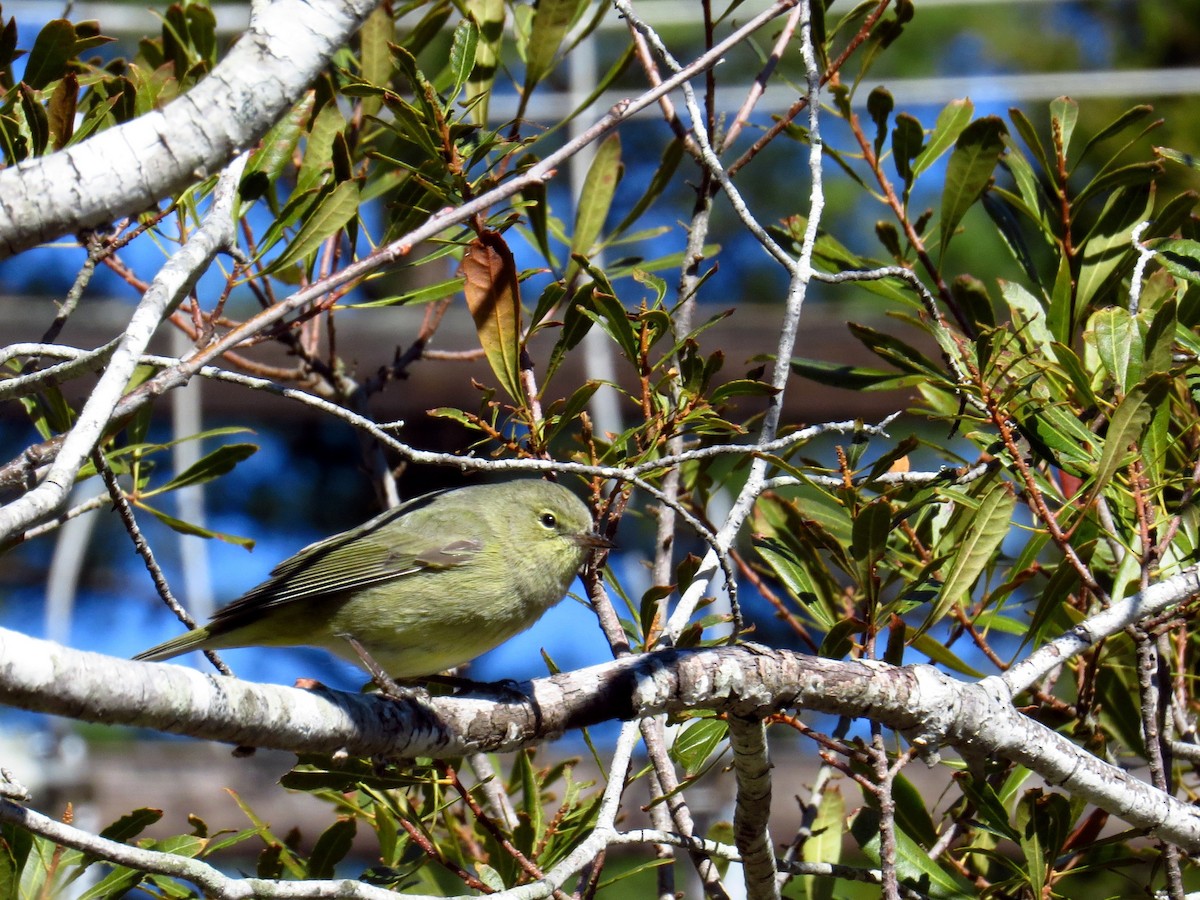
pixel 425 587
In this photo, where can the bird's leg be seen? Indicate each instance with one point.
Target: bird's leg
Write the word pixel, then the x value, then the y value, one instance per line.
pixel 382 679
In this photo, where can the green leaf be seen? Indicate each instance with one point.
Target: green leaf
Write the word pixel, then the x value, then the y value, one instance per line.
pixel 989 806
pixel 1120 123
pixel 671 156
pixel 375 59
pixel 1043 823
pixel 15 844
pixel 824 844
pixel 489 15
pixel 954 117
pixel 130 826
pixel 551 19
pixel 428 293
pixel 1160 337
pixel 908 137
pixel 1117 340
pixel 595 199
pixel 331 848
pixel 911 812
pixel 36 120
pixel 697 742
pixel 494 298
pixel 331 214
pixel 52 50
pixel 1127 426
pixel 913 865
pixel 183 527
pixel 870 533
pixel 1107 248
pixel 531 798
pixel 1180 257
pixel 1029 136
pixel 969 171
pixel 855 378
pixel 318 149
pixel 1030 315
pixel 1185 159
pixel 212 465
pixel 463 50
pixel 940 654
pixel 1064 112
pixel 975 550
pixel 880 105
pixel 899 353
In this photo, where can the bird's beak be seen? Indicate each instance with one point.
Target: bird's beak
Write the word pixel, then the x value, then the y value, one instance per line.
pixel 592 540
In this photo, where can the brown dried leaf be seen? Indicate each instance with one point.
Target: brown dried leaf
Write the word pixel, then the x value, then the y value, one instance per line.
pixel 494 298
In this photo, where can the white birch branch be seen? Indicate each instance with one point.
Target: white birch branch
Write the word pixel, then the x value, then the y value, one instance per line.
pixel 920 701
pixel 170 285
pixel 126 169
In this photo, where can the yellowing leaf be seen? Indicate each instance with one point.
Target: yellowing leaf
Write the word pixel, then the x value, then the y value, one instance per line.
pixel 494 298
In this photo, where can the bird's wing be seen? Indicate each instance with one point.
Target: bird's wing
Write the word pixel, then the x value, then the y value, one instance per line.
pixel 392 545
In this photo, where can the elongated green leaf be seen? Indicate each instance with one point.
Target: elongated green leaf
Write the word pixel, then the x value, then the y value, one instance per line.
pixel 989 806
pixel 489 15
pixel 1030 315
pixel 1002 215
pixel 1060 314
pixel 331 213
pixel 130 826
pixel 1159 340
pixel 52 50
pixel 855 378
pixel 494 298
pixel 1180 257
pixel 1120 123
pixel 188 528
pixel 463 50
pixel 969 171
pixel 954 117
pixel 331 848
pixel 1137 173
pixel 1057 436
pixel 375 60
pixel 1127 426
pixel 940 654
pixel 551 19
pixel 36 120
pixel 913 864
pixel 212 465
pixel 898 352
pixel 671 156
pixel 424 294
pixel 872 526
pixel 697 742
pixel 1106 250
pixel 15 844
pixel 1029 136
pixel 975 550
pixel 318 149
pixel 595 199
pixel 1043 822
pixel 1117 340
pixel 1064 112
pixel 880 105
pixel 825 843
pixel 908 137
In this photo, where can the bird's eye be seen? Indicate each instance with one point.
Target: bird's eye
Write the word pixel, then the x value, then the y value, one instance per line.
pixel 548 520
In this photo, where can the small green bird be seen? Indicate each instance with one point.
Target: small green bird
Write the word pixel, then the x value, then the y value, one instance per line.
pixel 424 587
